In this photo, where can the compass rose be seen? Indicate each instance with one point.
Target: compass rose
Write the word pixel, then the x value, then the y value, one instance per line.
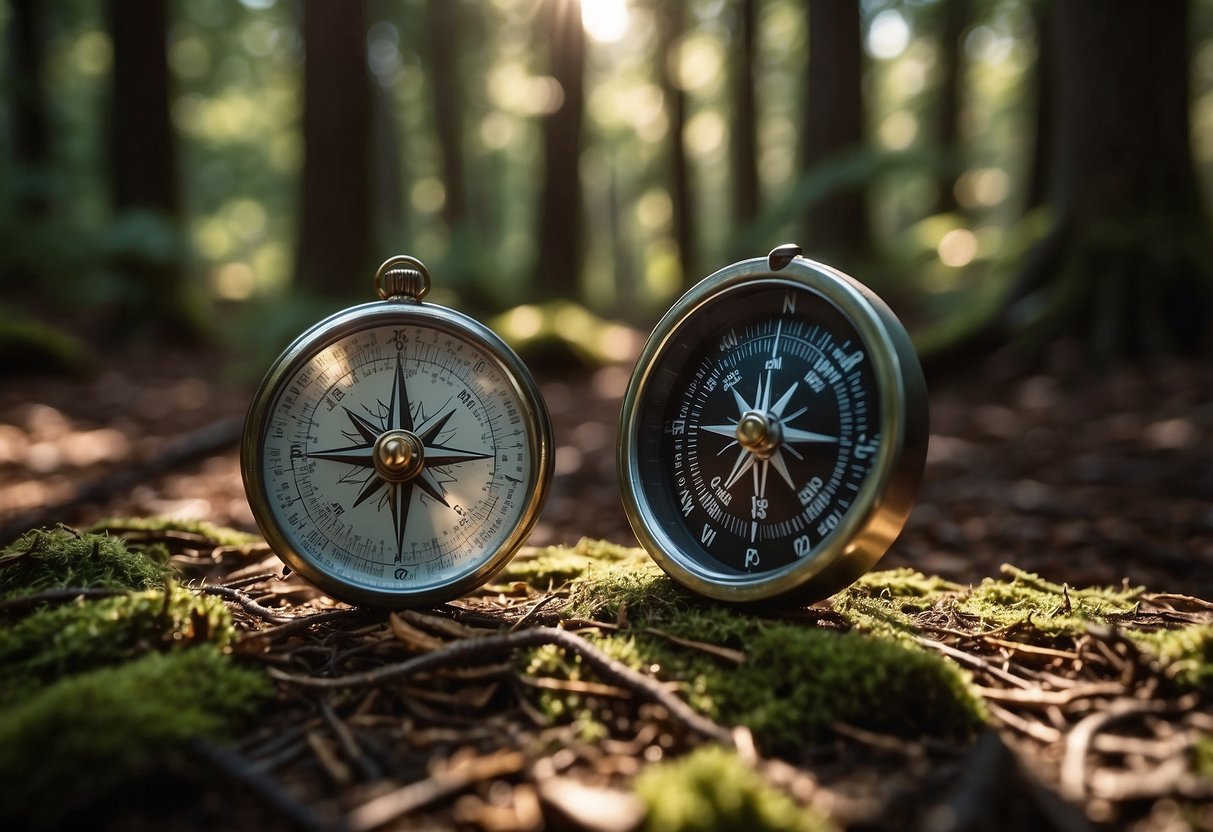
pixel 397 454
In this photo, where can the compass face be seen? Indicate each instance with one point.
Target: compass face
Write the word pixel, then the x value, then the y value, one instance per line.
pixel 401 460
pixel 762 438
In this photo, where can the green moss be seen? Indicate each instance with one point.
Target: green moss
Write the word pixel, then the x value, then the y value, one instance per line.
pixel 795 683
pixel 75 637
pixel 1202 757
pixel 59 558
pixel 635 584
pixel 87 735
pixel 1027 599
pixel 712 789
pixel 557 565
pixel 209 532
pixel 1187 653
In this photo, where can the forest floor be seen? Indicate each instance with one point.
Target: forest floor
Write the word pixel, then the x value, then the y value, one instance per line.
pixel 1035 488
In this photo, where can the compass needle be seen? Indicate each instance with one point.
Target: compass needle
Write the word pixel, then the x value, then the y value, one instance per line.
pixel 356 454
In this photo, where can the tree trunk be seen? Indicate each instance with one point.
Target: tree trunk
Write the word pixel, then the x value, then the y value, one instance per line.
pixel 672 22
pixel 1127 266
pixel 446 88
pixel 1044 82
pixel 836 227
pixel 143 154
pixel 334 250
pixel 743 143
pixel 147 244
pixel 30 124
pixel 558 268
pixel 948 101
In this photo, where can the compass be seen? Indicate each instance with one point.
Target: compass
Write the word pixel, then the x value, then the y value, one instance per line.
pixel 773 433
pixel 398 452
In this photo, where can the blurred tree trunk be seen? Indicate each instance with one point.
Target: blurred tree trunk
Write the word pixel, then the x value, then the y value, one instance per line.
pixel 143 153
pixel 146 245
pixel 743 119
pixel 836 227
pixel 28 112
pixel 1127 267
pixel 558 267
pixel 672 25
pixel 334 248
pixel 443 23
pixel 1044 81
pixel 948 101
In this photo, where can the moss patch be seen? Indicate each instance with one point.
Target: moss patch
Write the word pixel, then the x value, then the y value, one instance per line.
pixel 796 680
pixel 209 532
pixel 72 638
pixel 1186 653
pixel 86 735
pixel 711 789
pixel 557 565
pixel 60 558
pixel 1050 609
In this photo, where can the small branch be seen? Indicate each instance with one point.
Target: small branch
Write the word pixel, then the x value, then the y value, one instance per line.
pixel 247 604
pixel 472 650
pixel 267 788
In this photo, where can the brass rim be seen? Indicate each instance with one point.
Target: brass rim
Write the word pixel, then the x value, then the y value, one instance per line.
pixel 878 512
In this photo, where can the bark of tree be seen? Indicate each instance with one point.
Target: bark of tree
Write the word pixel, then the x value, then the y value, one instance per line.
pixel 446 88
pixel 837 226
pixel 147 246
pixel 743 143
pixel 1044 76
pixel 672 22
pixel 558 266
pixel 28 110
pixel 948 101
pixel 1127 266
pixel 334 252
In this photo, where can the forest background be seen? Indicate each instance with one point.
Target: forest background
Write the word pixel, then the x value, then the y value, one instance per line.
pixel 182 169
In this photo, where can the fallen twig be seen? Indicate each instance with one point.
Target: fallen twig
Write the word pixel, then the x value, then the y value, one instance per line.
pixel 471 650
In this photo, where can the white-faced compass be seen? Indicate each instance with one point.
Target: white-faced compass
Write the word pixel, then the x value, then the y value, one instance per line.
pixel 398 452
pixel 774 432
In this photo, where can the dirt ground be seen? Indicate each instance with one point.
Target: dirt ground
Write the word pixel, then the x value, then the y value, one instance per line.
pixel 1084 478
pixel 1091 479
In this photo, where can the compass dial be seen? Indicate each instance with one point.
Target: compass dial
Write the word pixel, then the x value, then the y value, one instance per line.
pixel 399 459
pixel 773 433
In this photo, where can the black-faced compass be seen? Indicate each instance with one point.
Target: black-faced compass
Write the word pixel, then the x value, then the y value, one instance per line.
pixel 398 452
pixel 774 432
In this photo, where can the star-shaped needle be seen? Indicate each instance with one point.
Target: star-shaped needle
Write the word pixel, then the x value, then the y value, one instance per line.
pixel 398 454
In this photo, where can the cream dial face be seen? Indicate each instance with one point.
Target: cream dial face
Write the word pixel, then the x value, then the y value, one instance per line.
pixel 397 459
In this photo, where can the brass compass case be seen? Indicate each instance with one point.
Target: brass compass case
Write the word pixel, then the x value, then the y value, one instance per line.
pixel 372 482
pixel 799 388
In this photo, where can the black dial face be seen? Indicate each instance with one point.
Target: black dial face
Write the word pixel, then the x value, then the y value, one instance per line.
pixel 759 429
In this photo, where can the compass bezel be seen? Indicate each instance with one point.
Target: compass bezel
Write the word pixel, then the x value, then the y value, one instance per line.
pixel 397 311
pixel 881 507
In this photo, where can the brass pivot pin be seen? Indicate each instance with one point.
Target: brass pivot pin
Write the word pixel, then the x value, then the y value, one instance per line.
pixel 398 456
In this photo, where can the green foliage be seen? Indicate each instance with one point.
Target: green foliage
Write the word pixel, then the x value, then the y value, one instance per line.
pixel 1050 609
pixel 57 641
pixel 28 345
pixel 60 558
pixel 559 564
pixel 795 682
pixel 219 535
pixel 87 735
pixel 712 789
pixel 1203 754
pixel 1186 653
pixel 885 603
